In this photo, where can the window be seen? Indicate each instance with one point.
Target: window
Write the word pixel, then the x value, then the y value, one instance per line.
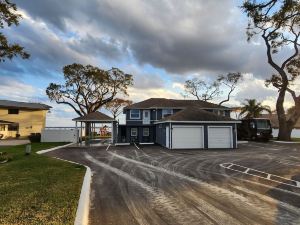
pixel 167 112
pixel 263 124
pixel 2 127
pixel 134 114
pixel 13 127
pixel 146 131
pixel 134 132
pixel 13 111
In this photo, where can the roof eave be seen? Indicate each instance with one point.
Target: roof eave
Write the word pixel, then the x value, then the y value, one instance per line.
pixel 178 121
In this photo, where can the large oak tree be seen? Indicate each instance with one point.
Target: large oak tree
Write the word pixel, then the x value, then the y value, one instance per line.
pixel 88 88
pixel 277 22
pixel 205 91
pixel 116 105
pixel 9 17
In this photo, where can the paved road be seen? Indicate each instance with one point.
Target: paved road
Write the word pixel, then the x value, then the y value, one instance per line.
pixel 152 185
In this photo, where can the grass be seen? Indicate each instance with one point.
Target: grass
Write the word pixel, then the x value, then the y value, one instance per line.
pixel 37 189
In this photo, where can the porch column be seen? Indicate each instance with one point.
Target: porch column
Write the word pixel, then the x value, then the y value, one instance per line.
pixel 77 132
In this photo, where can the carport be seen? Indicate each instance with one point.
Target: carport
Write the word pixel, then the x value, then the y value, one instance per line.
pixel 88 123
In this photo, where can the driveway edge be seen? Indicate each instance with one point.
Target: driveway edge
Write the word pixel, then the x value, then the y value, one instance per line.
pixel 287 142
pixel 83 208
pixel 82 213
pixel 55 148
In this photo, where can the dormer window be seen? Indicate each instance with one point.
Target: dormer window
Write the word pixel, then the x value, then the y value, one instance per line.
pixel 167 112
pixel 134 114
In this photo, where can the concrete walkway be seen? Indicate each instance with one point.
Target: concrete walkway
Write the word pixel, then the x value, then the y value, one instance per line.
pixel 13 142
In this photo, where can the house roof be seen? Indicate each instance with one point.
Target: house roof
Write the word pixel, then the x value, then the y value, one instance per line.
pixel 172 103
pixel 193 114
pixel 274 120
pixel 3 122
pixel 94 117
pixel 23 105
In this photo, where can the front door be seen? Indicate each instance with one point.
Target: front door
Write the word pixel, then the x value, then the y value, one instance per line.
pixel 146 117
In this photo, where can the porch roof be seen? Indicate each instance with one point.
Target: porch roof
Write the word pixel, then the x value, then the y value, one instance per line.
pixel 3 122
pixel 95 117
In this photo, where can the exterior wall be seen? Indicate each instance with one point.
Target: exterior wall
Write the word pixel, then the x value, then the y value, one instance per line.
pixel 30 121
pixel 155 115
pixel 140 138
pixel 161 134
pixel 161 139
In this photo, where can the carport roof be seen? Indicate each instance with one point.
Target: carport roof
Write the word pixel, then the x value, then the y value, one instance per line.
pixel 194 114
pixel 3 122
pixel 94 117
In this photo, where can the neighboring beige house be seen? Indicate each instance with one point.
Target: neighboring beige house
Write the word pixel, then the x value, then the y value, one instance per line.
pixel 21 118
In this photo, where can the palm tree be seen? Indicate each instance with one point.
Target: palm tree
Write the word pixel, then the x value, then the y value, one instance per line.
pixel 252 109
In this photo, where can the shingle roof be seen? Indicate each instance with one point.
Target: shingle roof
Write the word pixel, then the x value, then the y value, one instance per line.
pixel 172 103
pixel 5 122
pixel 193 113
pixel 94 116
pixel 23 105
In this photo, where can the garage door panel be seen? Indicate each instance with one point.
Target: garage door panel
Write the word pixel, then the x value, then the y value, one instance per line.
pixel 219 137
pixel 187 137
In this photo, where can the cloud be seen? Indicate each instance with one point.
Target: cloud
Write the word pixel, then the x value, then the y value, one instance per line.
pixel 204 36
pixel 16 90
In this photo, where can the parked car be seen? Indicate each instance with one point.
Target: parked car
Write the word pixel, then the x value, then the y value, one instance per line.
pixel 255 129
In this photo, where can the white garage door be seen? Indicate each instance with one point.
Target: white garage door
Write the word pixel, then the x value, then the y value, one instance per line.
pixel 219 137
pixel 187 137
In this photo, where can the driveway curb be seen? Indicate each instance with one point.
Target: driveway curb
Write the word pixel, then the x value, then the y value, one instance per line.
pixel 55 148
pixel 82 213
pixel 83 208
pixel 287 142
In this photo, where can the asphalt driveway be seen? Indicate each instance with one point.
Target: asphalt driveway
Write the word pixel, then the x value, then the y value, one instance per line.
pixel 255 184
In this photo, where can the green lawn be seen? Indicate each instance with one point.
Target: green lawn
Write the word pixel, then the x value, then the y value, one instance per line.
pixel 37 189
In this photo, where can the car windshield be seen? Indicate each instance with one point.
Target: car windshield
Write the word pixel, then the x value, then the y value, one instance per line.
pixel 263 124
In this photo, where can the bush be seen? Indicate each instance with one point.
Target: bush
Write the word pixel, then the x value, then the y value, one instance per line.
pixel 35 137
pixel 4 157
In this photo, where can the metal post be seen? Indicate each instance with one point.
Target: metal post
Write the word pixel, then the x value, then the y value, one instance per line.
pixel 112 132
pixel 80 131
pixel 76 132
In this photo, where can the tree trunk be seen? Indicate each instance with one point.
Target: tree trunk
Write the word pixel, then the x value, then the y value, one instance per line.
pixel 284 134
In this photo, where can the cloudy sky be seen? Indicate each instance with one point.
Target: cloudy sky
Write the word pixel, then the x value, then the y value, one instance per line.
pixel 161 42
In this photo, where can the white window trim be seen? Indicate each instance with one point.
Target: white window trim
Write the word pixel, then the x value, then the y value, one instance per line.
pixel 135 118
pixel 144 132
pixel 163 114
pixel 131 129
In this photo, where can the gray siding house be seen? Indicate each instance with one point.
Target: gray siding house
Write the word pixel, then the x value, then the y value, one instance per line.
pixel 179 124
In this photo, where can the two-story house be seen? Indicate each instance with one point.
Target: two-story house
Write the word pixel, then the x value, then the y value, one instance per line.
pixel 21 118
pixel 179 124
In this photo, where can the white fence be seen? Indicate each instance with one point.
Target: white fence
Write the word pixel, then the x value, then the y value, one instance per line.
pixel 59 134
pixel 295 133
